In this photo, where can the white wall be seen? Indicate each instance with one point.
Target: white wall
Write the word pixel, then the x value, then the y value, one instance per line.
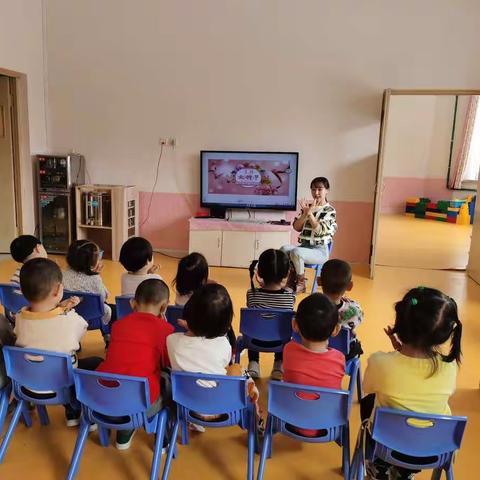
pixel 244 74
pixel 21 50
pixel 418 135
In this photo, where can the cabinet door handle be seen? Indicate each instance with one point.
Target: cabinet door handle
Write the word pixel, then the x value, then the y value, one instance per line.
pixel 218 242
pixel 257 244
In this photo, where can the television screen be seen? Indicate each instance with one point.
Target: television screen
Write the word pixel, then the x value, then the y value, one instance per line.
pixel 249 179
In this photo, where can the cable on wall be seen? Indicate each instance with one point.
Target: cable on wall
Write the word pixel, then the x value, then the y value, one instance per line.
pixel 154 187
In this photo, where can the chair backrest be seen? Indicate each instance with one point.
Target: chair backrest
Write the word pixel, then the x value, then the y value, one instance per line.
pixel 266 324
pixel 11 297
pixel 111 394
pixel 209 394
pixel 418 434
pixel 341 342
pixel 39 371
pixel 308 407
pixel 173 313
pixel 123 305
pixel 91 307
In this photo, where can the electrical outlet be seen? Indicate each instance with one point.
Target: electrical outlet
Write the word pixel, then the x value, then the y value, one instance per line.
pixel 167 141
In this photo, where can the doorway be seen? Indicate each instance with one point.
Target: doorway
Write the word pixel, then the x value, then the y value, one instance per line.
pixel 9 163
pixel 427 175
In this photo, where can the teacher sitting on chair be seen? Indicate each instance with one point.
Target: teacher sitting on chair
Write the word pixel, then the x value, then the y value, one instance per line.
pixel 317 224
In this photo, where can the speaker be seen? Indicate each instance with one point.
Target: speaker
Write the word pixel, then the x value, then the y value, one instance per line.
pixel 218 212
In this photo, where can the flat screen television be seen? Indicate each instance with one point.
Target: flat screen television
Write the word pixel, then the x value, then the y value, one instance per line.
pixel 248 179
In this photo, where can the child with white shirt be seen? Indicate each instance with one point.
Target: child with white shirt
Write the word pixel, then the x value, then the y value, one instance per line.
pixel 136 256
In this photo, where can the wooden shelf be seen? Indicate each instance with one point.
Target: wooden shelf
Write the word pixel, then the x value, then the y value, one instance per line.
pixel 102 227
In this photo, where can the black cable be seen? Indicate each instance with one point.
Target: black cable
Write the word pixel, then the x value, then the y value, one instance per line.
pixel 154 186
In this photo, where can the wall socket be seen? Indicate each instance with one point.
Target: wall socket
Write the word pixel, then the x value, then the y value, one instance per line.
pixel 168 141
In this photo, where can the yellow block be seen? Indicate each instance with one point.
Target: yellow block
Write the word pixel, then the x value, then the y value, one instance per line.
pixel 463 216
pixel 452 209
pixel 413 200
pixel 410 214
pixel 435 214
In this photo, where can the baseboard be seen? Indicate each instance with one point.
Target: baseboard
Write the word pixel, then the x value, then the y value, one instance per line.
pixel 171 252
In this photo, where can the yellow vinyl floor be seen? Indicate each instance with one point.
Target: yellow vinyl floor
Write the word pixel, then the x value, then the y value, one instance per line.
pixel 43 453
pixel 416 242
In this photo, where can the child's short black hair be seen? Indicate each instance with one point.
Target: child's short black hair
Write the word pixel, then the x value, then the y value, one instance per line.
pixel 152 292
pixel 209 311
pixel 322 180
pixel 38 277
pixel 82 256
pixel 135 253
pixel 192 273
pixel 316 317
pixel 23 246
pixel 272 266
pixel 336 276
pixel 425 319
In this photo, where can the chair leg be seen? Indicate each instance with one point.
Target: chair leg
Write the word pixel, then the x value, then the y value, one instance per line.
pixel 77 453
pixel 3 409
pixel 171 451
pixel 436 474
pixel 359 384
pixel 43 415
pixel 449 472
pixel 251 444
pixel 267 439
pixel 157 452
pixel 184 425
pixel 104 436
pixel 11 428
pixel 315 276
pixel 27 419
pixel 346 452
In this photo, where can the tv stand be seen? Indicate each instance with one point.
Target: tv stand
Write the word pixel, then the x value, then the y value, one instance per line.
pixel 230 243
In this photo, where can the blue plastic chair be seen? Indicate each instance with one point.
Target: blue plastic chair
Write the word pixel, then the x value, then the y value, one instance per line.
pixel 4 398
pixel 117 402
pixel 173 313
pixel 317 268
pixel 91 308
pixel 321 409
pixel 12 298
pixel 264 325
pixel 41 371
pixel 342 343
pixel 395 435
pixel 213 395
pixel 123 305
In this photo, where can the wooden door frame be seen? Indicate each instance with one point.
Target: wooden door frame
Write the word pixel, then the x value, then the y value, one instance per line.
pixel 21 138
pixel 381 151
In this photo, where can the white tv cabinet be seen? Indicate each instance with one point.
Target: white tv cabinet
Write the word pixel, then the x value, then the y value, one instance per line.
pixel 234 244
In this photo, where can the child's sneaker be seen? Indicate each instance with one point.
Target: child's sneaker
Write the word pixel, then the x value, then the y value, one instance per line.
pixel 253 369
pixel 196 428
pixel 73 419
pixel 277 370
pixel 124 439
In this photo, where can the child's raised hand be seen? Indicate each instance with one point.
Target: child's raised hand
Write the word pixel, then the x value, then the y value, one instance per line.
pixel 397 345
pixel 153 269
pixel 69 303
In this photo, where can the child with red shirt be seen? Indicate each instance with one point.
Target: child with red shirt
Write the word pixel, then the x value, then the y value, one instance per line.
pixel 138 345
pixel 312 362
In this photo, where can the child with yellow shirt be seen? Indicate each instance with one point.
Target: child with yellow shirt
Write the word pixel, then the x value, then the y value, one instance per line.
pixel 416 377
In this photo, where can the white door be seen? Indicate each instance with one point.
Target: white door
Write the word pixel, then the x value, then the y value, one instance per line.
pixel 238 249
pixel 8 226
pixel 208 243
pixel 473 267
pixel 379 180
pixel 266 240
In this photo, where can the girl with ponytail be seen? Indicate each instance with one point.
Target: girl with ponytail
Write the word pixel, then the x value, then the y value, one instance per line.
pixel 271 273
pixel 420 375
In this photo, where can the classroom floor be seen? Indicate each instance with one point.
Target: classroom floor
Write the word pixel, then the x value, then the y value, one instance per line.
pixel 420 243
pixel 44 453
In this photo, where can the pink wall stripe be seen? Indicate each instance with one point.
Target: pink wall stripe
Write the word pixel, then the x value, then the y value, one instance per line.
pixel 167 227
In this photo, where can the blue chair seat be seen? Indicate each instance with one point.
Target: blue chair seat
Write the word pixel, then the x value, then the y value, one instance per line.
pixel 410 440
pixel 122 303
pixel 263 325
pixel 198 395
pixel 117 402
pixel 292 407
pixel 12 298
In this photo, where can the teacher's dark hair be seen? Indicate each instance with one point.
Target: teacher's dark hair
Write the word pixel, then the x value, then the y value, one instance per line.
pixel 323 180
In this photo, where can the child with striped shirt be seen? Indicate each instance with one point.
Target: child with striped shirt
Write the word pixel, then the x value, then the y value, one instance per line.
pixel 271 272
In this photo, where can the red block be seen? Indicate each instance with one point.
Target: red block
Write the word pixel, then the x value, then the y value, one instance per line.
pixel 452 219
pixel 432 205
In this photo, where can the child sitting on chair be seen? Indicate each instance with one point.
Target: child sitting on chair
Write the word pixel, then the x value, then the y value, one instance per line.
pixel 138 345
pixel 192 273
pixel 48 323
pixel 84 260
pixel 335 280
pixel 136 256
pixel 24 248
pixel 204 348
pixel 312 362
pixel 271 272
